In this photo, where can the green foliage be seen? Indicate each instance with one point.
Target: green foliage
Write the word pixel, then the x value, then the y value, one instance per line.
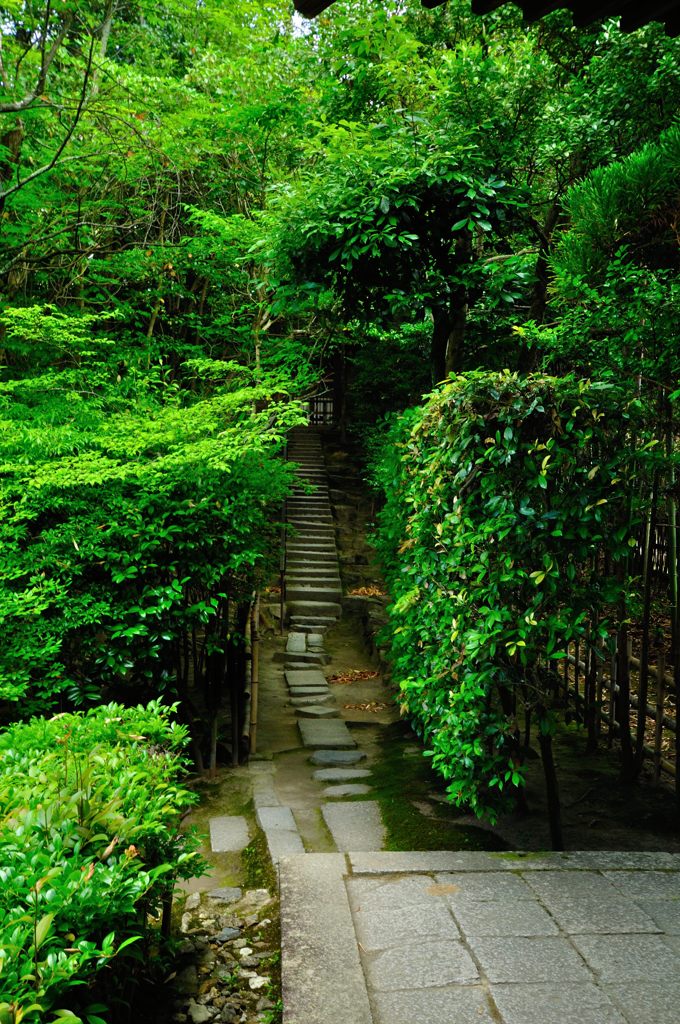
pixel 133 508
pixel 632 203
pixel 500 491
pixel 90 847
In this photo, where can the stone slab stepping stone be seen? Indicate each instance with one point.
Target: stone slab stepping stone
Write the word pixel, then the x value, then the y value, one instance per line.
pixel 333 758
pixel 316 711
pixel 296 642
pixel 228 834
pixel 333 733
pixel 299 666
pixel 351 789
pixel 305 677
pixel 314 700
pixel 340 774
pixel 355 826
pixel 301 657
pixel 278 825
pixel 317 692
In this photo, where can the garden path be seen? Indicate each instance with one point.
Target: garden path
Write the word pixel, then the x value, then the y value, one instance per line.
pixel 375 936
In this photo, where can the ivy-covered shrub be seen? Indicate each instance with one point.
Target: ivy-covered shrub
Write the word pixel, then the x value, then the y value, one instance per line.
pixel 503 496
pixel 90 847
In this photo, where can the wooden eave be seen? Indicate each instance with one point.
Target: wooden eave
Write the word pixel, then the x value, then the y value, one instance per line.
pixel 633 13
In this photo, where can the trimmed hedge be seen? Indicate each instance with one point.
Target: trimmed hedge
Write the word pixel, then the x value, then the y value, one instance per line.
pixel 509 511
pixel 90 847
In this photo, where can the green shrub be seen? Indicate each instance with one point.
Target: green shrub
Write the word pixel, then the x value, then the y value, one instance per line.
pixel 502 496
pixel 90 846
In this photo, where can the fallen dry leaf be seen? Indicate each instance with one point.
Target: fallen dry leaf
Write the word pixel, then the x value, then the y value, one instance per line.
pixel 371 705
pixel 367 592
pixel 352 676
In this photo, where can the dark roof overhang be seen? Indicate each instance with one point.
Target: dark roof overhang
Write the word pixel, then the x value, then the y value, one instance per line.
pixel 633 13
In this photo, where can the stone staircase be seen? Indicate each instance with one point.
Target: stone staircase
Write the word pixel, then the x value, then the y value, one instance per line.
pixel 312 578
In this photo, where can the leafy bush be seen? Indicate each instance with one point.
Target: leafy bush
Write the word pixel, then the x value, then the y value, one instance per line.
pixel 89 848
pixel 134 508
pixel 501 494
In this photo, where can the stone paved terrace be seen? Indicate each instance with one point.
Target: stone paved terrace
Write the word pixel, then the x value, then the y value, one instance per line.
pixel 481 938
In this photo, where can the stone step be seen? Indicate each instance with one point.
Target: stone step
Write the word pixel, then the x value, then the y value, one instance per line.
pixel 312 625
pixel 319 545
pixel 326 582
pixel 315 497
pixel 329 566
pixel 305 677
pixel 315 571
pixel 317 712
pixel 354 826
pixel 313 659
pixel 312 592
pixel 318 693
pixel 228 834
pixel 328 735
pixel 326 554
pixel 310 518
pixel 314 608
pixel 301 505
pixel 278 825
pixel 348 789
pixel 313 700
pixel 296 642
pixel 314 534
pixel 337 758
pixel 340 774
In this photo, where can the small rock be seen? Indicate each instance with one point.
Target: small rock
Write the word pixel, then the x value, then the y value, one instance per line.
pixel 264 1004
pixel 228 894
pixel 227 934
pixel 265 921
pixel 258 982
pixel 230 1014
pixel 257 897
pixel 240 943
pixel 245 951
pixel 250 920
pixel 193 901
pixel 186 981
pixel 185 926
pixel 200 1014
pixel 250 961
pixel 186 947
pixel 243 973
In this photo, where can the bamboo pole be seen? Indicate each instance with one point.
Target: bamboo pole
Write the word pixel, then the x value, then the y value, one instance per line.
pixel 254 671
pixel 659 722
pixel 643 681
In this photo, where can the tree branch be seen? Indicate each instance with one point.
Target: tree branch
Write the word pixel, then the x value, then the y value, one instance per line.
pixel 46 60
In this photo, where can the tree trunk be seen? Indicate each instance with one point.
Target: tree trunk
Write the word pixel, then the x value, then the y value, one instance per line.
pixel 552 791
pixel 539 292
pixel 448 334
